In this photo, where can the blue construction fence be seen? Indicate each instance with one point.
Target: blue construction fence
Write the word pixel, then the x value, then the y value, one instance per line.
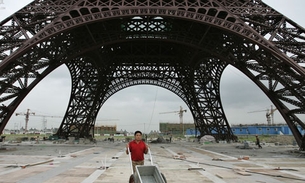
pixel 256 130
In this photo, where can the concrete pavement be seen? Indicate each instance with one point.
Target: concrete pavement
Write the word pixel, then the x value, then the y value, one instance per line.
pixel 179 162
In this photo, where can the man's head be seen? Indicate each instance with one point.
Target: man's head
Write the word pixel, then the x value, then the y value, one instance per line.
pixel 138 135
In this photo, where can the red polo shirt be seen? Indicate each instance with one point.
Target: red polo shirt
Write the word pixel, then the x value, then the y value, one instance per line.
pixel 137 150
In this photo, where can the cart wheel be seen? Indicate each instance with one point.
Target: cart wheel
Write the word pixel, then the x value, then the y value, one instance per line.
pixel 163 178
pixel 131 178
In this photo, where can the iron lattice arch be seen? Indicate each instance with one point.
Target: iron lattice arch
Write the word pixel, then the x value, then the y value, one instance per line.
pixel 183 46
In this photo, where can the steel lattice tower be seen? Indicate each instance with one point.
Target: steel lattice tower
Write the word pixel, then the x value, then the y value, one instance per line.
pixel 181 45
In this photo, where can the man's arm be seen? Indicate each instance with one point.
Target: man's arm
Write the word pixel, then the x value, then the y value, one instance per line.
pixel 146 149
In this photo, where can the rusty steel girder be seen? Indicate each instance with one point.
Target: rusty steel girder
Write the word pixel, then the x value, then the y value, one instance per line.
pixel 181 45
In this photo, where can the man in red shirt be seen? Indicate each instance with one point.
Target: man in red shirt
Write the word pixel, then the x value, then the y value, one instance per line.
pixel 137 149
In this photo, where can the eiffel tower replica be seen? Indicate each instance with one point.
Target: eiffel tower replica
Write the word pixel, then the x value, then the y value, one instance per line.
pixel 180 45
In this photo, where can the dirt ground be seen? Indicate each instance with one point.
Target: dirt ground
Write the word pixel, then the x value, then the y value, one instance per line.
pixel 281 139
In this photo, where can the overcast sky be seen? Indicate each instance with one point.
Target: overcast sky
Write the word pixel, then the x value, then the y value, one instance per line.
pixel 138 107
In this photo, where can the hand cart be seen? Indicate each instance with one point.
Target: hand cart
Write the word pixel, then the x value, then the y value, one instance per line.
pixel 146 173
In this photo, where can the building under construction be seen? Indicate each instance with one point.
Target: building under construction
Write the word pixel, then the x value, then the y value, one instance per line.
pixel 102 130
pixel 175 128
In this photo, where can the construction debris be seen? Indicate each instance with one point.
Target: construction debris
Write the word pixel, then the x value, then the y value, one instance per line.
pixel 241 171
pixel 207 139
pixel 244 158
pixel 217 159
pixel 195 168
pixel 177 156
pixel 38 163
pixel 245 145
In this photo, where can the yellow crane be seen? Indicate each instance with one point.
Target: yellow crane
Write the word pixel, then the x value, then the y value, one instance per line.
pixel 27 117
pixel 269 114
pixel 29 113
pixel 180 112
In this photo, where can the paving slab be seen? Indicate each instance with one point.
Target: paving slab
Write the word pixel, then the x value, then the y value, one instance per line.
pixel 179 161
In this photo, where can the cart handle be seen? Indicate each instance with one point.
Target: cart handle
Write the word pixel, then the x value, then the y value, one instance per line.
pixel 150 156
pixel 129 154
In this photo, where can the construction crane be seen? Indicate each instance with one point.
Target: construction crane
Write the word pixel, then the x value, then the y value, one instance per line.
pixel 269 114
pixel 27 117
pixel 180 112
pixel 44 120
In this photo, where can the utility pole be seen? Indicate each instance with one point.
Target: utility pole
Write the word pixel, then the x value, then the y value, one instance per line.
pixel 27 116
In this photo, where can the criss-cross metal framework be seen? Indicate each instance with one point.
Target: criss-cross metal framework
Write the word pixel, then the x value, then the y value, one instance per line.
pixel 181 45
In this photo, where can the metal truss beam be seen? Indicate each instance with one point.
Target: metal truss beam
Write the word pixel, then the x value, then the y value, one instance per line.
pixel 183 46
